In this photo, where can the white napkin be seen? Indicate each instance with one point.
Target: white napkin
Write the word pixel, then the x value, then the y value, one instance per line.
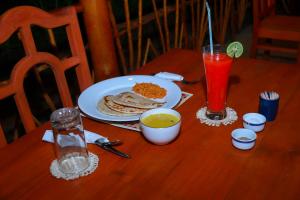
pixel 90 137
pixel 169 76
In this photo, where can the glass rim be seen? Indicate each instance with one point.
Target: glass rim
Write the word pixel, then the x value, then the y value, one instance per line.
pixel 216 47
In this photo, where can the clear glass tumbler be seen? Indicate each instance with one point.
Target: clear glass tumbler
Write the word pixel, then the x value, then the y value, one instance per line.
pixel 217 65
pixel 69 141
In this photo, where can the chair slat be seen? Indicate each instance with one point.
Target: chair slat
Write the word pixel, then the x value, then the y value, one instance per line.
pixel 192 8
pixel 140 33
pixel 149 46
pixel 129 34
pixel 166 28
pixel 222 13
pixel 162 38
pixel 117 39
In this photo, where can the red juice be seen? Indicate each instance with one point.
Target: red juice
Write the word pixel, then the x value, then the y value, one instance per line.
pixel 217 67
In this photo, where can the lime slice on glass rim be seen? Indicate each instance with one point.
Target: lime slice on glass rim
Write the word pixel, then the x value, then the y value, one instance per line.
pixel 234 49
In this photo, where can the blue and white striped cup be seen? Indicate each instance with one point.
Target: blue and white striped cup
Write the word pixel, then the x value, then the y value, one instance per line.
pixel 268 105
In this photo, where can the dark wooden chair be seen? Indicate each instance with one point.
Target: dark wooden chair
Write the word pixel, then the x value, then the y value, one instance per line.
pixel 20 19
pixel 269 27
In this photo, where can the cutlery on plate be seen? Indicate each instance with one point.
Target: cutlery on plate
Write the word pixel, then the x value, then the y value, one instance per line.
pixel 108 146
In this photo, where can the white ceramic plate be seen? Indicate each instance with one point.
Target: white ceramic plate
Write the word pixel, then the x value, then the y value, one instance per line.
pixel 89 98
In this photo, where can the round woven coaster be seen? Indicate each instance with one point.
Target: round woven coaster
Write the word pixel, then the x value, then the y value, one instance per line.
pixel 231 116
pixel 93 164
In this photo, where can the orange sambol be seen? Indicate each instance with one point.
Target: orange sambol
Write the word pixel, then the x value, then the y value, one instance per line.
pixel 149 90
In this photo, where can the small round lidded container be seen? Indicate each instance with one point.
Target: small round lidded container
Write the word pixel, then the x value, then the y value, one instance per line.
pixel 243 138
pixel 254 121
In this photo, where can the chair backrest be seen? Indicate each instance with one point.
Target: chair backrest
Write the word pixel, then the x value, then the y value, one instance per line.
pixel 176 24
pixel 20 19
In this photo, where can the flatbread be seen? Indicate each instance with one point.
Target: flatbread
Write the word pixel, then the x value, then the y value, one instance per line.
pixel 133 100
pixel 106 110
pixel 121 108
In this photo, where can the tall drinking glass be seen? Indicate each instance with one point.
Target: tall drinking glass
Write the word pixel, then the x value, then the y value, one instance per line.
pixel 217 66
pixel 69 140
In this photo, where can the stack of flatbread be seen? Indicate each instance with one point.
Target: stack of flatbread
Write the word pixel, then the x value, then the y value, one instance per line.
pixel 126 104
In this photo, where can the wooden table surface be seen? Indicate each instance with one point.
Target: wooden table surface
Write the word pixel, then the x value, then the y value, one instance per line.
pixel 200 164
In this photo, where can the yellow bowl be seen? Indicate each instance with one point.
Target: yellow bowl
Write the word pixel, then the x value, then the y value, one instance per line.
pixel 160 135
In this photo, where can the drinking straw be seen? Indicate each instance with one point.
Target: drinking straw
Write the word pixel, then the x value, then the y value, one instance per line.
pixel 209 28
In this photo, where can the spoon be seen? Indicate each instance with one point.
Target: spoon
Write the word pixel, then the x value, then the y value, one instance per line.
pixel 108 146
pixel 103 141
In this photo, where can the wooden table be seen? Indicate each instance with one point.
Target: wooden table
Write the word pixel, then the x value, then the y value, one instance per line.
pixel 200 164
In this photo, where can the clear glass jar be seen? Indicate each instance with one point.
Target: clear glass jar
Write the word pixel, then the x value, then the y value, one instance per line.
pixel 69 141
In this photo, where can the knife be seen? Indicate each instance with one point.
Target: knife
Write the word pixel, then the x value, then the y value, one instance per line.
pixel 111 149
